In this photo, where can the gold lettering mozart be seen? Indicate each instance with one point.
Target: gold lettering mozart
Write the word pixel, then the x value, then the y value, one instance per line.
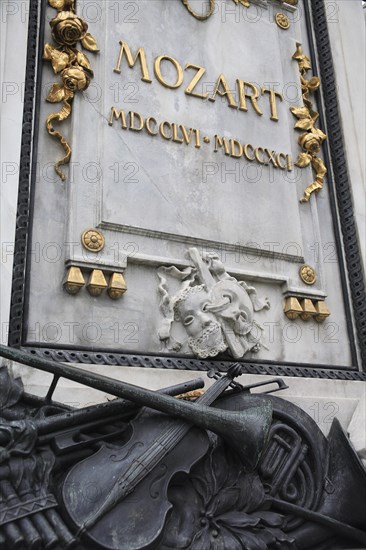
pixel 241 95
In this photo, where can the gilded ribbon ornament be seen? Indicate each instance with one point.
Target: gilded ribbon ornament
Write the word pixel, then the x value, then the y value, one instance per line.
pixel 71 64
pixel 210 8
pixel 212 3
pixel 312 139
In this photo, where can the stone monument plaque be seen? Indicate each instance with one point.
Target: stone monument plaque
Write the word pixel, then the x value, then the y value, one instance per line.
pixel 182 205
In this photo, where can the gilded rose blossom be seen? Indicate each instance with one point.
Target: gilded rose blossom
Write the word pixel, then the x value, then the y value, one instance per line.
pixel 68 28
pixel 310 142
pixel 308 274
pixel 93 240
pixel 313 84
pixel 75 78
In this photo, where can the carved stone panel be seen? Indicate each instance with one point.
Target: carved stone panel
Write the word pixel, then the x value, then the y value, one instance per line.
pixel 180 159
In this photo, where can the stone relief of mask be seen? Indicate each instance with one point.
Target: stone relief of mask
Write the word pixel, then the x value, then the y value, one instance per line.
pixel 216 311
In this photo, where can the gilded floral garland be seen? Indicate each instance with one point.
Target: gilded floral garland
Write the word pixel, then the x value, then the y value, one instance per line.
pixel 71 64
pixel 312 139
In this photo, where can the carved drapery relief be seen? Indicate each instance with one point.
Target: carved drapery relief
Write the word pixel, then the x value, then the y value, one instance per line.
pixel 216 310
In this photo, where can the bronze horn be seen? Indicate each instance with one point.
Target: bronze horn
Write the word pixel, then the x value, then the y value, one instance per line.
pixel 344 497
pixel 245 431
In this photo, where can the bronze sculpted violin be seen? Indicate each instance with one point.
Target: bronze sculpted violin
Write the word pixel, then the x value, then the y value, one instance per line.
pixel 112 494
pixel 304 491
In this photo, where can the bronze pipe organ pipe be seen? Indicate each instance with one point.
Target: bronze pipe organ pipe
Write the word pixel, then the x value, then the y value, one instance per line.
pixel 65 536
pixel 13 535
pixel 26 526
pixel 44 527
pixel 11 530
pixel 48 535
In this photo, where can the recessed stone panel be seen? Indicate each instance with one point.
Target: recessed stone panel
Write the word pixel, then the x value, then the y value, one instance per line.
pixel 184 151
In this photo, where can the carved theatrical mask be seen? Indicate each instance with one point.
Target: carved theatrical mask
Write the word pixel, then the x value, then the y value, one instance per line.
pixel 217 313
pixel 192 308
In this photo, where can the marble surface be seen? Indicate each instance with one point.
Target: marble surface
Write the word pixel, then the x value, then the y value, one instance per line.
pixel 12 70
pixel 318 397
pixel 260 231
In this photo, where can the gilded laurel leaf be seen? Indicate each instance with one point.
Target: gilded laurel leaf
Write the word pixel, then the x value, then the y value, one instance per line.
pixel 304 124
pixel 311 140
pixel 299 53
pixel 57 4
pixel 303 160
pixel 304 63
pixel 314 115
pixel 47 52
pixel 56 94
pixel 89 43
pixel 320 134
pixel 83 61
pixel 300 112
pixel 60 61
